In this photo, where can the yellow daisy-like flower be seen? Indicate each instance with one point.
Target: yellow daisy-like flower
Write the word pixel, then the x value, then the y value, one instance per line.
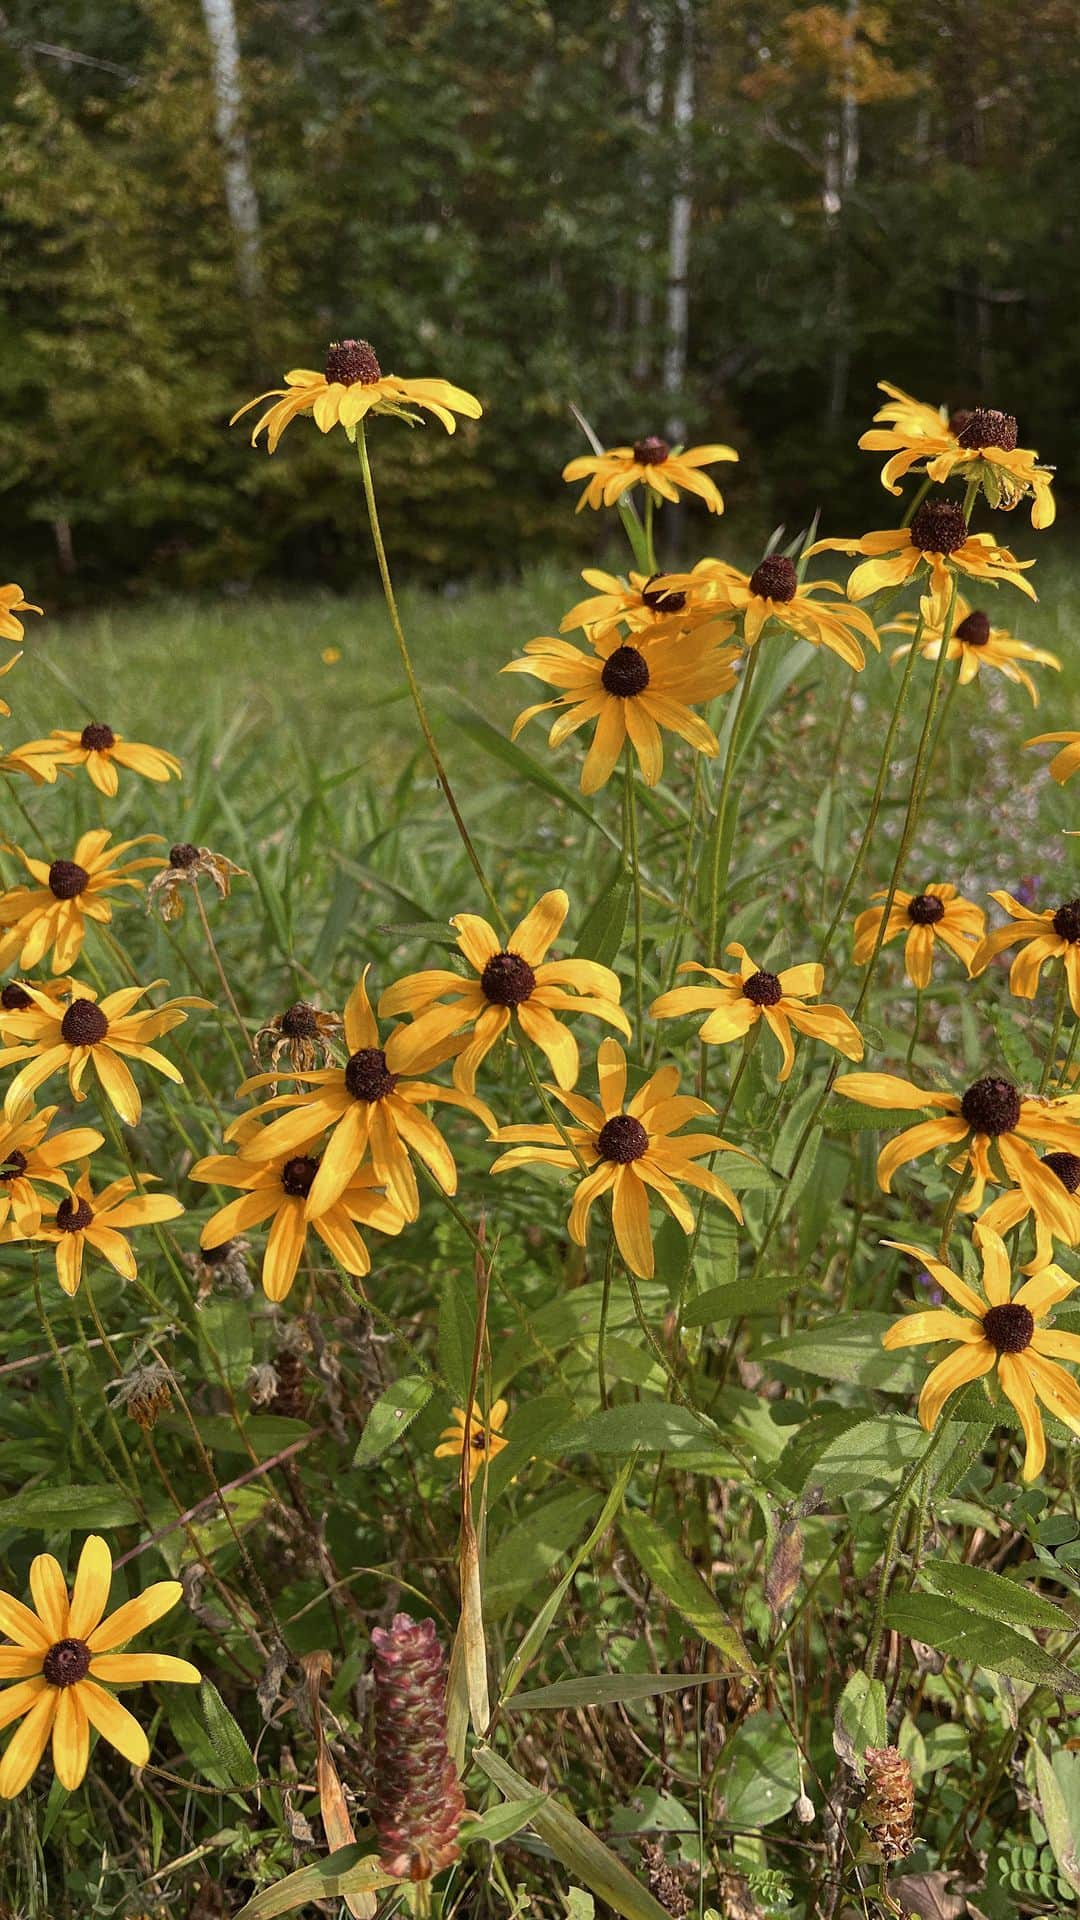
pixel 938 913
pixel 15 997
pixel 51 1037
pixel 513 981
pixel 86 1219
pixel 991 1116
pixel 63 1658
pixel 632 1150
pixel 351 386
pixel 6 668
pixel 1011 1209
pixel 974 642
pixel 1003 1330
pixel 774 592
pixel 650 463
pixel 1064 764
pixel 739 1000
pixel 632 691
pixel 13 603
pixel 51 917
pixel 369 1108
pixel 650 607
pixel 1047 936
pixel 98 749
pixel 937 538
pixel 480 1439
pixel 28 1158
pixel 978 444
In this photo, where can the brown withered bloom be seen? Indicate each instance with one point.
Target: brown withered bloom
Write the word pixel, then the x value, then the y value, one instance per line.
pixel 303 1035
pixel 144 1392
pixel 416 1799
pixel 888 1811
pixel 667 1883
pixel 186 863
pixel 215 1267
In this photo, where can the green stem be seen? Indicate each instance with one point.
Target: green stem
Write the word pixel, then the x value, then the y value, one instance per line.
pixel 605 1303
pixel 1055 1031
pixel 719 866
pixel 877 1631
pixel 633 861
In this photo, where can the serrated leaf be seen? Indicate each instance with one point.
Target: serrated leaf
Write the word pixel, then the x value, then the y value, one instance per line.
pixel 56 1509
pixel 759 1773
pixel 878 1449
pixel 994 1595
pixel 662 1559
pixel 848 1348
pixel 973 1639
pixel 227 1739
pixel 393 1412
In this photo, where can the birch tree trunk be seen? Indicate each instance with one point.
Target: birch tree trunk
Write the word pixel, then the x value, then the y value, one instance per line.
pixel 841 175
pixel 678 290
pixel 656 47
pixel 240 197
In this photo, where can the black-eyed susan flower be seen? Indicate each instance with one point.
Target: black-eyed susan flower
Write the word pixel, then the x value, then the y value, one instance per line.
pixel 937 913
pixel 633 691
pixel 51 917
pixel 15 997
pixel 650 463
pixel 774 592
pixel 1054 935
pixel 98 749
pixel 28 1160
pixel 514 980
pixel 991 1117
pixel 648 606
pixel 301 1034
pixel 12 603
pixel 100 1220
pixel 1064 764
pixel 85 1033
pixel 632 1150
pixel 737 1001
pixel 480 1439
pixel 277 1191
pixel 186 865
pixel 6 668
pixel 974 643
pixel 1012 1208
pixel 63 1659
pixel 1000 1329
pixel 977 444
pixel 937 539
pixel 352 385
pixel 369 1108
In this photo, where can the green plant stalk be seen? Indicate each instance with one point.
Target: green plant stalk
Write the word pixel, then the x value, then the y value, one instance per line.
pixel 877 1630
pixel 1055 1031
pixel 633 861
pixel 718 867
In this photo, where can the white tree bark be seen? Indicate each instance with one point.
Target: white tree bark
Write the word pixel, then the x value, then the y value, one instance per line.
pixel 656 46
pixel 841 175
pixel 678 290
pixel 240 196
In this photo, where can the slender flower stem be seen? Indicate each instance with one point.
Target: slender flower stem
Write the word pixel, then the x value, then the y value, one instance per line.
pixel 633 861
pixel 1055 1031
pixel 916 1022
pixel 226 989
pixel 605 1303
pixel 950 1211
pixel 877 1630
pixel 411 679
pixel 719 866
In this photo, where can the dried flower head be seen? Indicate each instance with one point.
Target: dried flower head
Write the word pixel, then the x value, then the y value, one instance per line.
pixel 145 1392
pixel 303 1035
pixel 226 1266
pixel 889 1808
pixel 186 863
pixel 416 1800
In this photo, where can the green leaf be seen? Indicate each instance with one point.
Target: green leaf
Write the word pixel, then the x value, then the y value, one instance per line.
pixel 973 1639
pixel 847 1116
pixel 394 1411
pixel 604 1689
pixel 457 1332
pixel 875 1450
pixel 533 1639
pixel 653 1426
pixel 665 1564
pixel 759 1776
pixel 501 1822
pixel 518 762
pixel 602 930
pixel 225 1337
pixel 1059 1803
pixel 348 1870
pixel 848 1348
pixel 860 1720
pixel 56 1509
pixel 994 1595
pixel 527 1553
pixel 227 1739
pixel 739 1297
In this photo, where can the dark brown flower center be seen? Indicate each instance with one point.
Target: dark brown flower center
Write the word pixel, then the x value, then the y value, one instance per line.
pixel 622 1139
pixel 1066 922
pixel 507 980
pixel 66 1663
pixel 1067 1168
pixel 1009 1327
pixel 367 1076
pixel 974 631
pixel 67 879
pixel 97 737
pixel 985 427
pixel 625 673
pixel 13 1166
pixel 651 452
pixel 939 527
pixel 662 599
pixel 925 910
pixel 298 1175
pixel 352 362
pixel 298 1022
pixel 13 997
pixel 991 1106
pixel 478 1440
pixel 182 856
pixel 763 988
pixel 84 1024
pixel 74 1214
pixel 216 1256
pixel 775 578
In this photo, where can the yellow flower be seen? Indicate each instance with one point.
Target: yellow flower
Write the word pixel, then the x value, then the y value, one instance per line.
pixel 978 444
pixel 632 691
pixel 15 996
pixel 937 538
pixel 1011 1209
pixel 938 913
pixel 631 1150
pixel 739 1000
pixel 98 749
pixel 85 1219
pixel 1003 1330
pixel 351 386
pixel 1064 764
pixel 82 1034
pixel 12 603
pixel 370 1107
pixel 27 1158
pixel 974 642
pixel 774 592
pixel 1047 936
pixel 991 1116
pixel 650 607
pixel 52 916
pixel 514 980
pixel 61 1654
pixel 651 463
pixel 277 1190
pixel 6 668
pixel 482 1440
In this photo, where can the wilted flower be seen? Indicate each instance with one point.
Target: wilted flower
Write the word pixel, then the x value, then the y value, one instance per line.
pixel 889 1807
pixel 226 1265
pixel 302 1035
pixel 186 863
pixel 144 1391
